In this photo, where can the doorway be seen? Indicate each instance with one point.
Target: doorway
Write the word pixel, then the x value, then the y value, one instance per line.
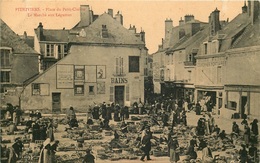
pixel 243 106
pixel 56 102
pixel 119 95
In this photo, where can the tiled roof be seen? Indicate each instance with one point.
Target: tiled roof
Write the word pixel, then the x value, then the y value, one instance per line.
pixel 232 31
pixel 250 37
pixel 29 40
pixel 117 34
pixel 11 39
pixel 195 41
pixel 55 35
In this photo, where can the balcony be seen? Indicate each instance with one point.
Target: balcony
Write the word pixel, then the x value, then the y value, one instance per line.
pixel 189 63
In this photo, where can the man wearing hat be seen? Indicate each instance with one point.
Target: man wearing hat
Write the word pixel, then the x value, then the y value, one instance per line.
pixel 88 158
pixel 146 144
pixel 16 150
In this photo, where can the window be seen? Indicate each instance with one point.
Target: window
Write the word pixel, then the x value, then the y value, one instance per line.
pixel 79 73
pixel 36 89
pixel 189 75
pixel 119 66
pixel 219 74
pixel 232 105
pixel 205 48
pixel 49 50
pixel 5 76
pixel 5 57
pixel 145 72
pixel 134 64
pixel 91 90
pixel 79 89
pixel 40 89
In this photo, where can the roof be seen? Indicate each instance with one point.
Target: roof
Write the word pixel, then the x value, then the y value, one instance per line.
pixel 55 35
pixel 117 34
pixel 194 41
pixel 250 37
pixel 29 40
pixel 232 31
pixel 10 39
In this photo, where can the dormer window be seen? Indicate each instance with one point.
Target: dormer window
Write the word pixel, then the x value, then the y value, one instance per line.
pixel 49 50
pixel 104 31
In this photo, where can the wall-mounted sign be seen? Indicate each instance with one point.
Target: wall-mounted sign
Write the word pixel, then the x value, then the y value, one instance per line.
pixel 119 80
pixel 65 76
pixel 101 72
pixel 91 74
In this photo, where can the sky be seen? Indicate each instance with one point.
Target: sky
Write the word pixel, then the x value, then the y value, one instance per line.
pixel 144 14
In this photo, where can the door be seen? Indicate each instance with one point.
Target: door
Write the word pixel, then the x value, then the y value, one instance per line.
pixel 56 106
pixel 119 95
pixel 243 106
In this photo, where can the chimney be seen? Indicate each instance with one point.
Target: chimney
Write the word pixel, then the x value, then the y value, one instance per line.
pixel 25 35
pixel 142 35
pixel 214 22
pixel 119 17
pixel 181 22
pixel 110 12
pixel 132 29
pixel 168 27
pixel 104 31
pixel 188 18
pixel 253 10
pixel 244 8
pixel 40 31
pixel 84 16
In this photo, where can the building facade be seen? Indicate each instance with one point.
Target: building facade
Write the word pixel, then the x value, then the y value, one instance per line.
pixel 19 63
pixel 106 63
pixel 226 70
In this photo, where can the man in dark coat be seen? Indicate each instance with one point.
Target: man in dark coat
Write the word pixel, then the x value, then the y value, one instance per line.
pixel 95 112
pixel 146 145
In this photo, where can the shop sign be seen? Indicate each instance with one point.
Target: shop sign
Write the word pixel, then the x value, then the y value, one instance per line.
pixel 119 80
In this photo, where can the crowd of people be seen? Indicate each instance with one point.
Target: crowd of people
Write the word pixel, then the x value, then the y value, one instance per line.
pixel 164 113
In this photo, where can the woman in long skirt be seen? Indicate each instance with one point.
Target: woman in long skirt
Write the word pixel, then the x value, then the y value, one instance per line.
pixel 45 152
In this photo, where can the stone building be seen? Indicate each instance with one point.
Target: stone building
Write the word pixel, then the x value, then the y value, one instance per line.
pixel 105 63
pixel 19 63
pixel 227 70
pixel 174 62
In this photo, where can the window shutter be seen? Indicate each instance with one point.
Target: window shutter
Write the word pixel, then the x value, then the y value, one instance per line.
pixel 111 97
pixel 127 93
pixel 117 66
pixel 122 66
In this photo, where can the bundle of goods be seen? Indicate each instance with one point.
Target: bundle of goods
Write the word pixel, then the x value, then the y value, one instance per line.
pixel 63 121
pixel 67 147
pixel 19 132
pixel 108 133
pixel 157 130
pixel 132 128
pixel 92 135
pixel 68 158
pixel 135 118
pixel 5 141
